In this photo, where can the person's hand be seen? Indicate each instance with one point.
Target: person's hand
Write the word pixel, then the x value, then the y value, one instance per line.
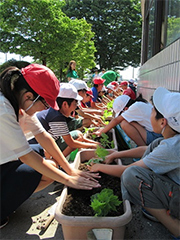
pixel 98 132
pixel 86 174
pixel 79 182
pixel 109 158
pixel 95 167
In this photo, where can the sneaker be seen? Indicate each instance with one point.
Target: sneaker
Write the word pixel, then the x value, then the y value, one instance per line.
pixel 4 223
pixel 148 215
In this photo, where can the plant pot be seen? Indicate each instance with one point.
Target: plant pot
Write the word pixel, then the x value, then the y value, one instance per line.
pixel 77 227
pixel 111 134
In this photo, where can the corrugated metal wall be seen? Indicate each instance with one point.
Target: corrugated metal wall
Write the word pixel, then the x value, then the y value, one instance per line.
pixel 161 70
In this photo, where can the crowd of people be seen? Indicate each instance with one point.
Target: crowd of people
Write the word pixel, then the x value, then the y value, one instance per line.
pixel 32 100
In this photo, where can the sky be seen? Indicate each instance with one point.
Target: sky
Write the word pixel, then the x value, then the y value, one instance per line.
pixel 126 74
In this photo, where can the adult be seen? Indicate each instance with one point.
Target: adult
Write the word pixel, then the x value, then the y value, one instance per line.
pixel 23 171
pixel 72 73
pixel 109 76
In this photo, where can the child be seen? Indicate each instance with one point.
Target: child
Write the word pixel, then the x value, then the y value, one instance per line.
pixel 134 118
pixel 154 181
pixel 55 122
pixel 23 172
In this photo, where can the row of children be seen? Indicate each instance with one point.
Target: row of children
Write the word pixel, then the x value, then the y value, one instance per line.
pixel 152 182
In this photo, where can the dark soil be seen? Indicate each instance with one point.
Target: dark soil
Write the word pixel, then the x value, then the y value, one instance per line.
pixel 78 202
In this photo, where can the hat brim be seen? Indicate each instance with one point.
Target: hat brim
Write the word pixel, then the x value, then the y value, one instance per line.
pixel 79 98
pixel 158 97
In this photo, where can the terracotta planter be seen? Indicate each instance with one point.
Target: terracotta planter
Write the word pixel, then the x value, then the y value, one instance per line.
pixel 111 133
pixel 76 227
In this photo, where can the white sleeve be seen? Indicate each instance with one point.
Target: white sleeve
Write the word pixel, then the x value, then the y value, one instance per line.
pixel 12 140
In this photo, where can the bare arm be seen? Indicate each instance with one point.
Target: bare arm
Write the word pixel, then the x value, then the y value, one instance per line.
pixel 115 170
pixel 35 161
pixel 78 144
pixel 135 152
pixel 113 123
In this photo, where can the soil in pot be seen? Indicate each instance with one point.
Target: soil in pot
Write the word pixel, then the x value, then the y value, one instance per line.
pixel 78 202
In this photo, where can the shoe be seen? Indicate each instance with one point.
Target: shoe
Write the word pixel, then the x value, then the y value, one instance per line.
pixel 4 223
pixel 148 215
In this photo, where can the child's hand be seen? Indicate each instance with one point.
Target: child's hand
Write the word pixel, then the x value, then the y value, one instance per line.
pixel 94 167
pixel 109 159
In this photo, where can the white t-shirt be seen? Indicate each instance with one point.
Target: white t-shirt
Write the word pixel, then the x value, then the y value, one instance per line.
pixel 13 143
pixel 139 112
pixel 30 125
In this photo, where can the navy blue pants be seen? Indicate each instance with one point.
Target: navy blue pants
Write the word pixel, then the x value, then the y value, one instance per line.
pixel 18 181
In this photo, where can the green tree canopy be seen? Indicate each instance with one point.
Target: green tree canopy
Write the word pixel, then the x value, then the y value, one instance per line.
pixel 117 27
pixel 41 30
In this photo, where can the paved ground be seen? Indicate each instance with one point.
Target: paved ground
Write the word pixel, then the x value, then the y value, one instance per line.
pixel 24 222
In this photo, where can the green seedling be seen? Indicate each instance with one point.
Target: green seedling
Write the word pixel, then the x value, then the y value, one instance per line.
pixel 104 202
pixel 104 140
pixel 94 161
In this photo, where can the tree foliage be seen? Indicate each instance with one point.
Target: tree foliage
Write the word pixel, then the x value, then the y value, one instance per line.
pixel 117 27
pixel 41 30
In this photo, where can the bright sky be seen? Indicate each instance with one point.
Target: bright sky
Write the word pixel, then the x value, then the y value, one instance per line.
pixel 126 74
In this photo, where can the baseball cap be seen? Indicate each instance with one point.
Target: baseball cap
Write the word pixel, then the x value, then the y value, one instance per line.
pixel 43 81
pixel 110 86
pixel 167 103
pixel 98 80
pixel 123 83
pixel 120 103
pixel 67 90
pixel 114 83
pixel 90 92
pixel 131 81
pixel 79 84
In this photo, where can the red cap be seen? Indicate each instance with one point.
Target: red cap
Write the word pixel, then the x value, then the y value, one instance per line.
pixel 123 83
pixel 98 81
pixel 114 83
pixel 89 92
pixel 43 81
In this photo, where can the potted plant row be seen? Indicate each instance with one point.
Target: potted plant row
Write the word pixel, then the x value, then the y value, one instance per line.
pixel 77 227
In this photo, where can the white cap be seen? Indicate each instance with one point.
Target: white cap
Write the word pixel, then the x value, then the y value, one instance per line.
pixel 79 84
pixel 120 103
pixel 110 86
pixel 67 90
pixel 131 80
pixel 168 104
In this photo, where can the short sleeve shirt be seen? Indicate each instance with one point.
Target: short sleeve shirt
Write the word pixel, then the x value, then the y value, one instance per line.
pixel 13 143
pixel 72 74
pixel 95 94
pixel 165 158
pixel 139 112
pixel 30 124
pixel 54 122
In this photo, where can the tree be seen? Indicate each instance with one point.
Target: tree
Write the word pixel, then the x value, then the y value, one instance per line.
pixel 117 27
pixel 41 30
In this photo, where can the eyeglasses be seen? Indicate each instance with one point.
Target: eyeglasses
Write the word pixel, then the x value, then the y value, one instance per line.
pixel 33 102
pixel 47 106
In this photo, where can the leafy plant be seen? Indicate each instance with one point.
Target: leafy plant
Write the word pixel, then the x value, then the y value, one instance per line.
pixel 101 152
pixel 104 202
pixel 110 104
pixel 104 140
pixel 94 161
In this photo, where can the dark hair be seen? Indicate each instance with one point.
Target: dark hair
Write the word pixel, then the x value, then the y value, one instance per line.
pixel 60 101
pixel 138 99
pixel 158 114
pixel 12 83
pixel 70 68
pixel 96 85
